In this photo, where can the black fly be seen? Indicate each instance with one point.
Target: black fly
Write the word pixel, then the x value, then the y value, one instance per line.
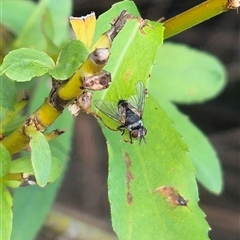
pixel 128 113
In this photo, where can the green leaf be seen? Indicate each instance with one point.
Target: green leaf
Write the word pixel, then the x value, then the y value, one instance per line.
pixel 71 57
pixel 55 26
pixel 56 169
pixel 136 171
pixel 3 113
pixel 32 35
pixel 60 11
pixel 25 63
pixel 104 20
pixel 7 98
pixel 5 159
pixel 11 183
pixel 13 124
pixel 24 165
pixel 31 20
pixel 21 165
pixel 202 154
pixel 48 30
pixel 40 157
pixel 34 203
pixel 125 54
pixel 186 75
pixel 16 22
pixel 6 212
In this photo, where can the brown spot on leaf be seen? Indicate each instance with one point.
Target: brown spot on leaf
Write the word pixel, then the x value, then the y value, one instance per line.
pixel 172 195
pixel 127 160
pixel 129 177
pixel 127 74
pixel 129 198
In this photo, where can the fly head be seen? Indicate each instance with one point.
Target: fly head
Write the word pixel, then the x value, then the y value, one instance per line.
pixel 139 134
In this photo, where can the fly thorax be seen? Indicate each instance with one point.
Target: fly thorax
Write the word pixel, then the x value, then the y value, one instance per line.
pixel 131 117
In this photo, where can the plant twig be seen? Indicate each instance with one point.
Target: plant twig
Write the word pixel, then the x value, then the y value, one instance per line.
pixel 63 92
pixel 196 15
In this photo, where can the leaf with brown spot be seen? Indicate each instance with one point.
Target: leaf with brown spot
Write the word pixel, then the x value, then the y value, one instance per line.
pixel 172 195
pixel 129 177
pixel 136 212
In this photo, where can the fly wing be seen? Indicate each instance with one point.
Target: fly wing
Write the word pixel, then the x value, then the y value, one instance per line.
pixel 137 101
pixel 108 108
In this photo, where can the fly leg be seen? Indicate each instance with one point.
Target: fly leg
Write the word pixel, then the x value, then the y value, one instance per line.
pixel 121 129
pixel 130 136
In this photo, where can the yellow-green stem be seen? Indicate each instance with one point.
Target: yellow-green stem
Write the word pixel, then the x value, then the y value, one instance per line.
pixel 46 114
pixel 194 16
pixel 16 141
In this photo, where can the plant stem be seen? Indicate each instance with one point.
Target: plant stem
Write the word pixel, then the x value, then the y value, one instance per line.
pixel 196 15
pixel 62 94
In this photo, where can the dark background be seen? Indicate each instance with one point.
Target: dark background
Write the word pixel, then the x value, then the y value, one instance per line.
pixel 85 186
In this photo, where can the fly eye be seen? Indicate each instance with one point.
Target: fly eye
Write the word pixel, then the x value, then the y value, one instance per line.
pixel 134 133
